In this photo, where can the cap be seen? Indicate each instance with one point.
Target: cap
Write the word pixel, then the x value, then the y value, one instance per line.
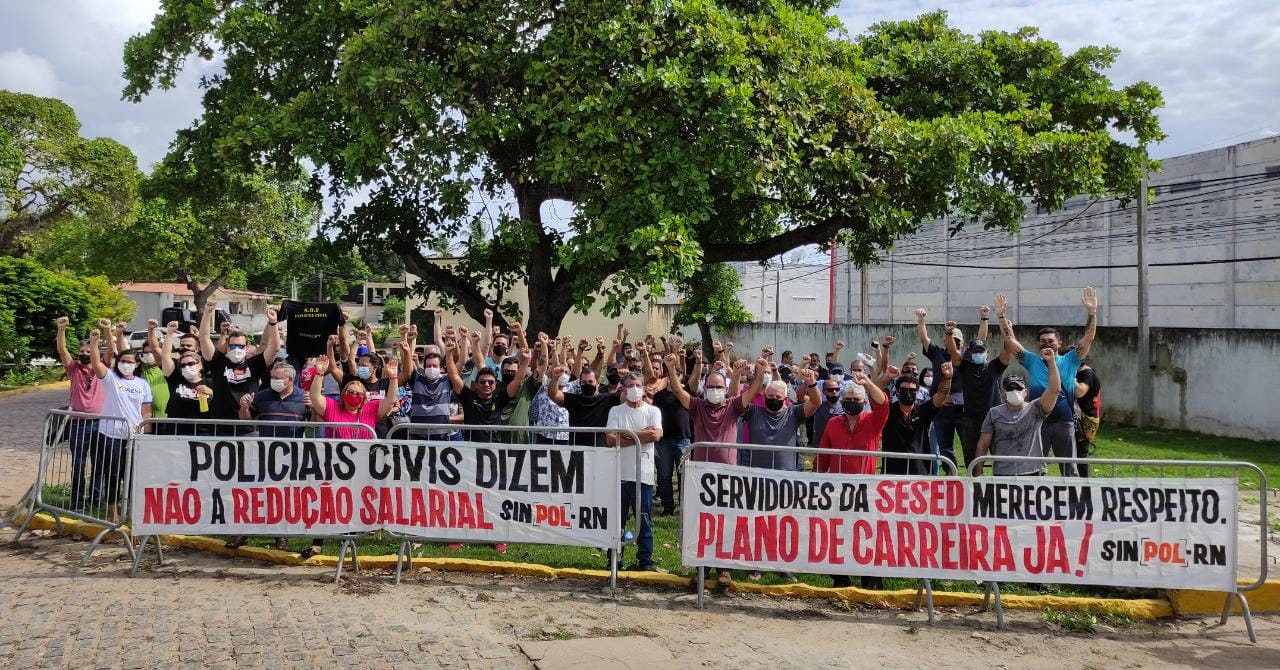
pixel 1014 382
pixel 955 332
pixel 978 344
pixel 836 369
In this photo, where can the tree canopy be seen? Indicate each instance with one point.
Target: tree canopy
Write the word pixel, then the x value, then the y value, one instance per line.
pixel 709 298
pixel 48 172
pixel 684 133
pixel 32 297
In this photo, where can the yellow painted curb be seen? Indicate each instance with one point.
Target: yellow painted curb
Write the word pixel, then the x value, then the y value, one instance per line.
pixel 32 389
pixel 1265 598
pixel 904 599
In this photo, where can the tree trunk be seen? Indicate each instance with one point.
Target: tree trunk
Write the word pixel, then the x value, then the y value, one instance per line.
pixel 200 296
pixel 704 330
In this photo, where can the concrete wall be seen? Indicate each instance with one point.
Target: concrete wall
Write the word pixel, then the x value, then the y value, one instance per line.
pixel 791 294
pixel 1198 219
pixel 1218 381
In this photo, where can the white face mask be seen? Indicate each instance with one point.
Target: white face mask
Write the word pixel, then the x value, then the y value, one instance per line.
pixel 149 359
pixel 432 374
pixel 191 374
pixel 715 396
pixel 127 369
pixel 765 379
pixel 235 355
pixel 1015 399
pixel 278 385
pixel 837 378
pixel 635 394
pixel 562 381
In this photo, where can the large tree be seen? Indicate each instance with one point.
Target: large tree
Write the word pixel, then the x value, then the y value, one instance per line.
pixel 684 133
pixel 709 297
pixel 49 173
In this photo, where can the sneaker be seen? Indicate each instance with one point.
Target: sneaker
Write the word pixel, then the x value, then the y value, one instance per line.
pixel 627 536
pixel 455 545
pixel 500 547
pixel 643 567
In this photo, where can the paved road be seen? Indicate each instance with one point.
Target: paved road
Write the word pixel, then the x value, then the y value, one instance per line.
pixel 21 426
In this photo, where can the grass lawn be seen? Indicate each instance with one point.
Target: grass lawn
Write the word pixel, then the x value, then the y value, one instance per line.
pixel 1113 442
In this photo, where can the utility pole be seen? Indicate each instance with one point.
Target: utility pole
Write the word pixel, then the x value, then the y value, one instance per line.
pixel 1144 324
pixel 293 288
pixel 320 288
pixel 864 286
pixel 777 301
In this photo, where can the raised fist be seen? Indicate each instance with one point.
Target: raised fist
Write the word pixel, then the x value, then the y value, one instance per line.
pixel 892 371
pixel 171 327
pixel 322 364
pixel 272 315
pixel 839 344
pixel 488 314
pixel 921 313
pixel 152 324
pixel 1049 355
pixel 809 376
pixel 670 359
pixel 246 400
pixel 515 327
pixel 526 355
pixel 946 370
pixel 559 370
pixel 717 346
pixel 728 346
pixel 950 325
pixel 104 324
pixel 984 311
pixel 888 340
pixel 63 321
pixel 583 345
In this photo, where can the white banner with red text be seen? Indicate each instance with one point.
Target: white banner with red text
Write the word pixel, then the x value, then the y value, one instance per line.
pixel 436 490
pixel 1168 532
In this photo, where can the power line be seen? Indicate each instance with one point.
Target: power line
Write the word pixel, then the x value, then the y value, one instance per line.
pixel 1219 261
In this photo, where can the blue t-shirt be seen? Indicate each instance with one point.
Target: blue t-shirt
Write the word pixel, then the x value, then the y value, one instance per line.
pixel 1038 381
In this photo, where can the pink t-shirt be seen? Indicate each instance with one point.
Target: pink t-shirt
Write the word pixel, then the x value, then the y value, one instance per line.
pixel 86 389
pixel 335 412
pixel 716 423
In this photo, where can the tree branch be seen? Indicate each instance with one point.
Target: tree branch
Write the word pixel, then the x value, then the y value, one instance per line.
pixel 759 250
pixel 441 279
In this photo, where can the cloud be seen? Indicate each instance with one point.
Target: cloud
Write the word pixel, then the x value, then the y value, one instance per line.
pixel 25 73
pixel 1214 60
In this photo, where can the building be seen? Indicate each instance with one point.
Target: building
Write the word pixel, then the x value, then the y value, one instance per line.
pixel 1208 207
pixel 794 293
pixel 247 309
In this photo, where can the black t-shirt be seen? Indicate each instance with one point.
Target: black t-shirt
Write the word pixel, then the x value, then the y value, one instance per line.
pixel 184 403
pixel 592 412
pixel 979 381
pixel 937 356
pixel 230 382
pixel 675 418
pixel 1091 402
pixel 907 434
pixel 480 412
pixel 310 325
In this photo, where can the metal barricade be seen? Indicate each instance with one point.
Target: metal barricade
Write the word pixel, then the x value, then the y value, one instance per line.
pixel 403 556
pixel 924 588
pixel 1162 468
pixel 87 479
pixel 176 427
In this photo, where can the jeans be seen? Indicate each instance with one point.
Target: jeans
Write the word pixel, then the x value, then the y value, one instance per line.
pixel 108 467
pixel 644 534
pixel 1059 438
pixel 944 431
pixel 668 454
pixel 82 434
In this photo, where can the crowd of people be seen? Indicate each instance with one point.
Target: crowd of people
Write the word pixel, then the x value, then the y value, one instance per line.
pixel 506 385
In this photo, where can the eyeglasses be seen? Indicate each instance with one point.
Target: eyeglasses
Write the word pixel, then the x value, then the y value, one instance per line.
pixel 235 346
pixel 487 382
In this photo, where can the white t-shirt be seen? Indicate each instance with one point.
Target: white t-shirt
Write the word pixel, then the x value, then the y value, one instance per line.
pixel 626 417
pixel 123 398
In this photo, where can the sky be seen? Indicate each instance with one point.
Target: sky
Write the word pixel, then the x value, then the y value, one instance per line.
pixel 1214 59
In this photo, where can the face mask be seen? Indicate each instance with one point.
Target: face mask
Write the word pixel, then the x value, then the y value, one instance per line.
pixel 613 378
pixel 562 380
pixel 282 355
pixel 507 377
pixel 979 359
pixel 363 372
pixel 715 396
pixel 191 374
pixel 149 359
pixel 837 378
pixel 432 374
pixel 833 399
pixel 352 398
pixel 766 378
pixel 907 396
pixel 127 369
pixel 588 389
pixel 84 359
pixel 499 350
pixel 635 394
pixel 235 355
pixel 927 380
pixel 278 385
pixel 773 404
pixel 1015 398
pixel 851 406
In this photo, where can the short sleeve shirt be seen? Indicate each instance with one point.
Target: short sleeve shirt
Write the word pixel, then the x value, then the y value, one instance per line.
pixel 778 430
pixel 335 412
pixel 1016 432
pixel 86 389
pixel 230 382
pixel 864 436
pixel 1038 381
pixel 123 397
pixel 268 405
pixel 716 423
pixel 479 411
pixel 937 356
pixel 431 399
pixel 626 417
pixel 589 412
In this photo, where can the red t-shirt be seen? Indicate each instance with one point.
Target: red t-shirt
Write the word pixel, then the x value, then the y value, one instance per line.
pixel 865 436
pixel 335 412
pixel 86 389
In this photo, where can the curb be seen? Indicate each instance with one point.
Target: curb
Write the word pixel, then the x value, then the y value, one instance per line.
pixel 32 389
pixel 1264 599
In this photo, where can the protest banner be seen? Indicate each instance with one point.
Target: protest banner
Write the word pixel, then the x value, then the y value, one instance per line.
pixel 1167 532
pixel 433 490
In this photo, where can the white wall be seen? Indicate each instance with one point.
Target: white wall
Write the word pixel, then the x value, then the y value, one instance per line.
pixel 791 294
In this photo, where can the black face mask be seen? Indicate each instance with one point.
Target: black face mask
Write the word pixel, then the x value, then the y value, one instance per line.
pixel 907 396
pixel 588 389
pixel 851 406
pixel 499 350
pixel 613 378
pixel 507 377
pixel 84 359
pixel 773 404
pixel 833 399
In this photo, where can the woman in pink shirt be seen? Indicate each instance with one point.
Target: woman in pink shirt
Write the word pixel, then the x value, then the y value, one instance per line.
pixel 353 406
